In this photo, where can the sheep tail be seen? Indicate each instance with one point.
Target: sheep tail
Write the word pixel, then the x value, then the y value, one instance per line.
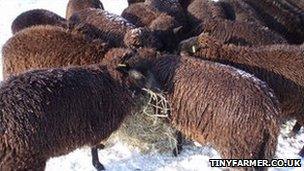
pixel 270 140
pixel 272 125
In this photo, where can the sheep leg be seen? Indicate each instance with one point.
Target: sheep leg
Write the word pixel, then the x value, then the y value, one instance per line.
pixel 179 145
pixel 296 128
pixel 95 158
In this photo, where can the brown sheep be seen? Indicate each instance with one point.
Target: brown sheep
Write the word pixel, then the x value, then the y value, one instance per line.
pixel 78 5
pixel 280 66
pixel 49 46
pixel 240 33
pixel 49 113
pixel 214 104
pixel 37 17
pixel 113 28
pixel 282 17
pixel 170 13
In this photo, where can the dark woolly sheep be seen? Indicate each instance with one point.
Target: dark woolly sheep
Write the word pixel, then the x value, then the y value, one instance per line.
pixel 215 104
pixel 282 17
pixel 37 17
pixel 49 46
pixel 48 113
pixel 240 33
pixel 144 14
pixel 114 28
pixel 280 66
pixel 78 5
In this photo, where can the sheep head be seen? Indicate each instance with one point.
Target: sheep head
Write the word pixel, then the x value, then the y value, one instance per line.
pixel 201 45
pixel 134 67
pixel 142 37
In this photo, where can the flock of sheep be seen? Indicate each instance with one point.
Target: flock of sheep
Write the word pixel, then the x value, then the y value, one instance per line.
pixel 232 71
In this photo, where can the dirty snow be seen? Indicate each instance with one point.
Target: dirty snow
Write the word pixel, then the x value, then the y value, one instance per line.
pixel 119 156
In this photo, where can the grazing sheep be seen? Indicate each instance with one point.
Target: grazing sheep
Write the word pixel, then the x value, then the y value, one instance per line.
pixel 280 66
pixel 49 46
pixel 215 104
pixel 114 28
pixel 240 121
pixel 158 11
pixel 49 113
pixel 240 33
pixel 140 14
pixel 282 17
pixel 78 5
pixel 37 17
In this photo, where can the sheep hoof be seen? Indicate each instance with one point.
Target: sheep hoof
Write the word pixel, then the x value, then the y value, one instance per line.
pixel 296 128
pixel 95 159
pixel 99 166
pixel 179 146
pixel 176 151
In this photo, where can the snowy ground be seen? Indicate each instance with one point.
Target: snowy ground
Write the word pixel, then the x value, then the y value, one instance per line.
pixel 120 157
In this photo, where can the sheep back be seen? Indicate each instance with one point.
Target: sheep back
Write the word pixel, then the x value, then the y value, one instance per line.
pixel 47 47
pixel 78 5
pixel 37 17
pixel 48 113
pixel 113 26
pixel 220 105
pixel 240 33
pixel 280 66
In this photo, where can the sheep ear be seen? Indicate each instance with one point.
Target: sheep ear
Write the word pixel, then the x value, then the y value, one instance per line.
pixel 177 30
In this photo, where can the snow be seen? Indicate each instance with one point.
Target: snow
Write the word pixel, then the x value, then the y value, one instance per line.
pixel 120 156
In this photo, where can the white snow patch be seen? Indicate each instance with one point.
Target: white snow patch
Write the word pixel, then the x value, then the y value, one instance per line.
pixel 119 156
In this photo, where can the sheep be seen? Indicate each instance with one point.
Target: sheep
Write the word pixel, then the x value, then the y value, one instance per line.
pixel 49 46
pixel 114 28
pixel 282 17
pixel 144 14
pixel 240 33
pixel 51 112
pixel 280 66
pixel 75 6
pixel 216 104
pixel 140 14
pixel 37 17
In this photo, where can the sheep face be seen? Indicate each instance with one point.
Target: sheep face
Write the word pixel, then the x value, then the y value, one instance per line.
pixel 138 79
pixel 199 44
pixel 141 37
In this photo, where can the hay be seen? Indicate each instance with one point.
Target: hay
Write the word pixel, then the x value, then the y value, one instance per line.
pixel 148 130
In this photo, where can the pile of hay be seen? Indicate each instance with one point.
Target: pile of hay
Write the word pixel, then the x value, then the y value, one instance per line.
pixel 148 130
